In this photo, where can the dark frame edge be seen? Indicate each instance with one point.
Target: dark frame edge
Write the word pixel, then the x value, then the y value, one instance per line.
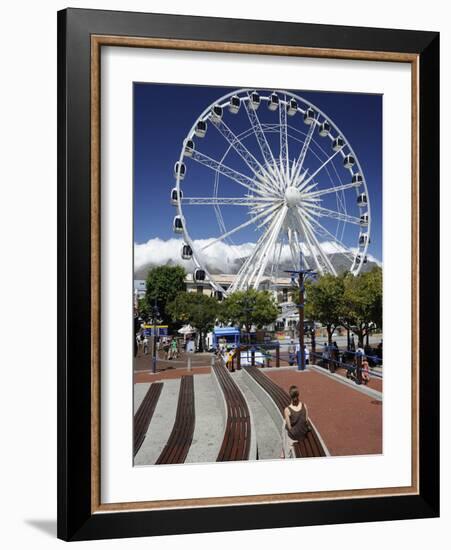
pixel 250 517
pixel 75 520
pixel 62 493
pixel 429 242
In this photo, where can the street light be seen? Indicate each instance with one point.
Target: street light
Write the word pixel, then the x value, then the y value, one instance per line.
pixel 302 275
pixel 155 320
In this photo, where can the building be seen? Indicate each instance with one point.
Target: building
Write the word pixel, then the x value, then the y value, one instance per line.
pixel 280 287
pixel 139 287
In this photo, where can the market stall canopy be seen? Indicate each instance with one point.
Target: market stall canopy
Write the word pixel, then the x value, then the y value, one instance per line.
pixel 187 329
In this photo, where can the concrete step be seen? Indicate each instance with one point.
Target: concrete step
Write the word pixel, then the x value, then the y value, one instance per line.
pixel 208 430
pixel 269 440
pixel 161 424
pixel 140 391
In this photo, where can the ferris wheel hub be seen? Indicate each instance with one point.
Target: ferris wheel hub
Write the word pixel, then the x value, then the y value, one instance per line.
pixel 292 196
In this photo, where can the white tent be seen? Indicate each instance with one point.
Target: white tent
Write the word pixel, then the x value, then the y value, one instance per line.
pixel 187 329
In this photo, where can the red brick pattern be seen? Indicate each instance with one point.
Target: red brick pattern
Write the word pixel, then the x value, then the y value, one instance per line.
pixel 349 421
pixel 141 377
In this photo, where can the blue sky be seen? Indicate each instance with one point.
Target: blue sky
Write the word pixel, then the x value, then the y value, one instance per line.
pixel 163 115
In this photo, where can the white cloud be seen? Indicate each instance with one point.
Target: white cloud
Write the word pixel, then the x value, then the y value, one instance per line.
pixel 219 258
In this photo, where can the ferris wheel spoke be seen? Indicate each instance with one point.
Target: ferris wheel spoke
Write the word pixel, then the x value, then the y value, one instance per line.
pixel 264 258
pixel 225 170
pixel 312 239
pixel 291 246
pixel 297 242
pixel 276 262
pixel 284 154
pixel 335 189
pixel 307 226
pixel 268 219
pixel 277 178
pixel 259 134
pixel 325 163
pixel 257 169
pixel 227 201
pixel 242 278
pixel 256 262
pixel 294 253
pixel 317 210
pixel 309 243
pixel 337 243
pixel 298 164
pixel 242 226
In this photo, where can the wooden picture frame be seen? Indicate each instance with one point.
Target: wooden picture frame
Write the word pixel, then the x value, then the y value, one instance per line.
pixel 81 35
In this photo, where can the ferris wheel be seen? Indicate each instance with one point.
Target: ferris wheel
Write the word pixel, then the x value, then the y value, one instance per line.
pixel 273 170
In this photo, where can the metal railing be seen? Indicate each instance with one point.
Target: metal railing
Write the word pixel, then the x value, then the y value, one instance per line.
pixel 277 354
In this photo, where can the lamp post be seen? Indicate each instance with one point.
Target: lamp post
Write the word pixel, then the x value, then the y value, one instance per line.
pixel 155 317
pixel 302 275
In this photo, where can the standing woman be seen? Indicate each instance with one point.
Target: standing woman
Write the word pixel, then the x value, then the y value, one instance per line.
pixel 295 426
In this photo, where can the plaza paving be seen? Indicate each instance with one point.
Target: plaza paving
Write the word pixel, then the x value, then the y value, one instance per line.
pixel 347 417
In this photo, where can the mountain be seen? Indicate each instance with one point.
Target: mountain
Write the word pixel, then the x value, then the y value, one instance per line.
pixel 338 260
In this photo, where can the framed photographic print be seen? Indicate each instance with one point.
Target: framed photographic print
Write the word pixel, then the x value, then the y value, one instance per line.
pixel 248 274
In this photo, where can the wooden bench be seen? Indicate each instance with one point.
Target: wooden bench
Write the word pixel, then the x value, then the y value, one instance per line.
pixel 179 442
pixel 311 446
pixel 144 414
pixel 237 434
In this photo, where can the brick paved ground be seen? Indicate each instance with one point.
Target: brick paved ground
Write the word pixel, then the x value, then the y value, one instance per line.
pixel 144 362
pixel 349 421
pixel 140 377
pixel 374 383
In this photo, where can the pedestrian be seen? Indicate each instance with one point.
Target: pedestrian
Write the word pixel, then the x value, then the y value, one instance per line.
pixel 336 352
pixel 136 327
pixel 379 352
pixel 145 345
pixel 291 353
pixel 295 426
pixel 352 345
pixel 365 371
pixel 229 359
pixel 170 349
pixel 306 355
pixel 174 349
pixel 325 355
pixel 359 358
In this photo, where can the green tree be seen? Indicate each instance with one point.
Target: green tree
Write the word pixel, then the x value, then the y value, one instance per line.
pixel 163 283
pixel 198 310
pixel 249 307
pixel 362 303
pixel 143 309
pixel 324 302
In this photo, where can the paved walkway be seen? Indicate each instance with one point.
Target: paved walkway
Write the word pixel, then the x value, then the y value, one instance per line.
pixel 269 440
pixel 374 383
pixel 139 392
pixel 161 425
pixel 349 421
pixel 209 426
pixel 143 362
pixel 340 377
pixel 141 377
